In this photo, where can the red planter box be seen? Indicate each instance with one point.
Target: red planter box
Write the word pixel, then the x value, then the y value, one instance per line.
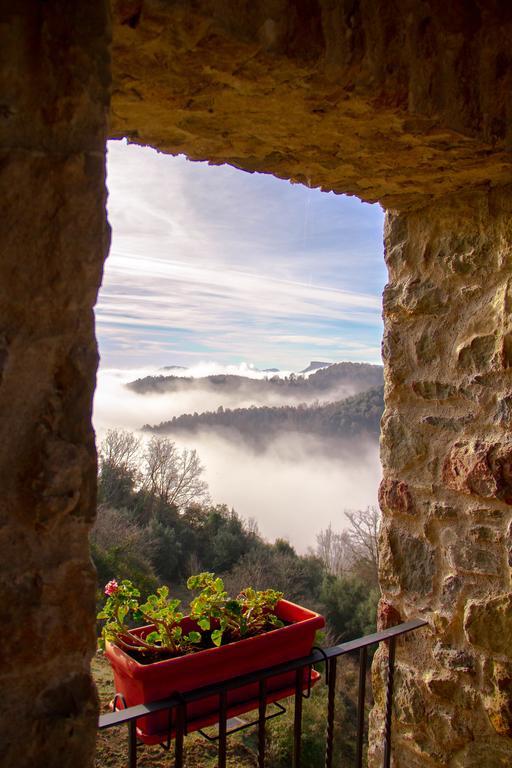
pixel 141 683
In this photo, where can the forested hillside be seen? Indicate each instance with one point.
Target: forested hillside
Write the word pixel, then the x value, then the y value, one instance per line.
pixel 335 382
pixel 354 417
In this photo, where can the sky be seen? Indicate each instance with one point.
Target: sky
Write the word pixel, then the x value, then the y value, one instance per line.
pixel 209 263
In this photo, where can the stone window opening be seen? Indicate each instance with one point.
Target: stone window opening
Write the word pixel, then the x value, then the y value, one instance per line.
pixel 408 106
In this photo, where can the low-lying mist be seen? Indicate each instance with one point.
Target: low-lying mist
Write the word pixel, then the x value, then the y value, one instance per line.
pixel 293 489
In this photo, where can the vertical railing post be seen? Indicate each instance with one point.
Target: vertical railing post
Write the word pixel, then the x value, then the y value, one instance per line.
pixel 132 744
pixel 389 702
pixel 330 671
pixel 297 721
pixel 223 718
pixel 180 733
pixel 262 709
pixel 363 653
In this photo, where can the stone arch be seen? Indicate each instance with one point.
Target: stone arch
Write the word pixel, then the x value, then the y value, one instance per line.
pixel 404 103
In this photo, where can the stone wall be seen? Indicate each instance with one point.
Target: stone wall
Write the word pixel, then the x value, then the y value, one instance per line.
pixel 399 101
pixel 52 187
pixel 446 540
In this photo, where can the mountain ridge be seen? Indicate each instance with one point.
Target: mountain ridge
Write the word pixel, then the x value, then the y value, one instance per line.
pixel 335 381
pixel 355 417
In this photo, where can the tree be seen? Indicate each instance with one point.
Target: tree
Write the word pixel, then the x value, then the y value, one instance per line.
pixel 283 547
pixel 364 542
pixel 350 608
pixel 170 476
pixel 355 550
pixel 334 550
pixel 265 567
pixel 113 527
pixel 122 550
pixel 167 554
pixel 120 448
pixel 119 459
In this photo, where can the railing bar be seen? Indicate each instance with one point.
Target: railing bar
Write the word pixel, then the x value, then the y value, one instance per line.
pixel 262 710
pixel 331 703
pixel 132 744
pixel 375 637
pixel 389 702
pixel 297 720
pixel 223 717
pixel 363 653
pixel 133 713
pixel 180 732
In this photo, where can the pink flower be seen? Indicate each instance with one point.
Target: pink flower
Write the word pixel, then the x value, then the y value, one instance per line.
pixel 111 588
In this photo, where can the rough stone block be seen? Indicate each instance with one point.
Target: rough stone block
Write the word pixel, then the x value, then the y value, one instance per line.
pixel 488 623
pixel 407 560
pixel 481 468
pixel 478 354
pixel 409 705
pixel 453 658
pixel 489 753
pixel 434 390
pixel 395 497
pixel 473 559
pixel 387 615
pixel 451 589
pixel 499 704
pixel 402 444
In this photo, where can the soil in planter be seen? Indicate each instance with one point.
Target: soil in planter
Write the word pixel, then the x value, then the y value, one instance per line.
pixel 143 657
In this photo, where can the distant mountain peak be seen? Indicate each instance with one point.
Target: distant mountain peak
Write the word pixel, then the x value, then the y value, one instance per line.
pixel 315 365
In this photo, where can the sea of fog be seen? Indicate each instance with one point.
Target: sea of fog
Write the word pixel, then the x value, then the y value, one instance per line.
pixel 293 489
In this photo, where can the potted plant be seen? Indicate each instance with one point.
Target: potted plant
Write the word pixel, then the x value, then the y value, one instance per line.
pixel 220 637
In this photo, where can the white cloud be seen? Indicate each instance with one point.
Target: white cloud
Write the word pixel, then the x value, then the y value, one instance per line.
pixel 214 261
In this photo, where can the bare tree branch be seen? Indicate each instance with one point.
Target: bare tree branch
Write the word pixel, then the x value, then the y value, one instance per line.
pixel 354 550
pixel 173 477
pixel 120 449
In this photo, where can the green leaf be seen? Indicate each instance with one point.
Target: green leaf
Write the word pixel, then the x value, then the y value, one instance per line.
pixel 217 637
pixel 204 624
pixel 193 637
pixel 233 606
pixel 153 638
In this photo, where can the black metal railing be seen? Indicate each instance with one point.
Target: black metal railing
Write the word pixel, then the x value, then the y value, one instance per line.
pixel 177 704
